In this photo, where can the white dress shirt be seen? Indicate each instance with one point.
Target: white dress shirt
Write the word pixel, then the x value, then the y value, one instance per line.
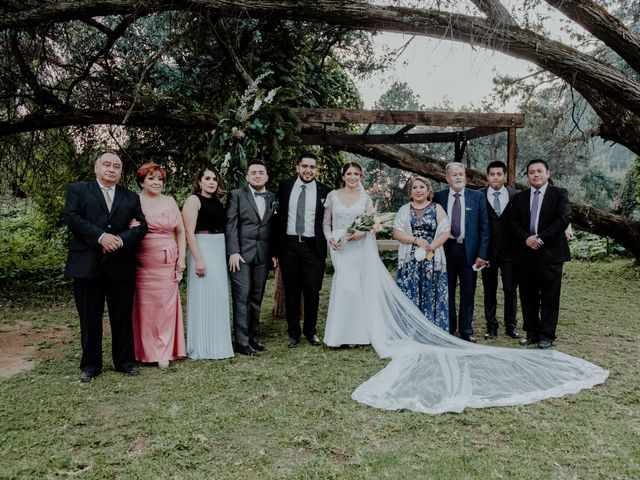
pixel 111 191
pixel 503 197
pixel 309 208
pixel 261 203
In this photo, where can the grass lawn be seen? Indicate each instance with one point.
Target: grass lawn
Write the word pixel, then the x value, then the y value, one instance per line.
pixel 289 414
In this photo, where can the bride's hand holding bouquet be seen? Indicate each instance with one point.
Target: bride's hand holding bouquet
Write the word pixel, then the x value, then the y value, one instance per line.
pixel 368 223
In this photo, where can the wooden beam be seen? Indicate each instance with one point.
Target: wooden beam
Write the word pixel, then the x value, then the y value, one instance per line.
pixel 458 148
pixel 403 117
pixel 343 139
pixel 479 132
pixel 403 130
pixel 366 130
pixel 512 156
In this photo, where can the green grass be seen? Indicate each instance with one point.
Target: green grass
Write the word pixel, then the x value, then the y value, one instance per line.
pixel 288 413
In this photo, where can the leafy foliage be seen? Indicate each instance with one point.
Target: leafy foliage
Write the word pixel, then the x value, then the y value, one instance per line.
pixel 31 255
pixel 630 195
pixel 587 246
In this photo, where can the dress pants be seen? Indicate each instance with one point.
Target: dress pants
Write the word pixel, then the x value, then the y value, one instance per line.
pixel 90 294
pixel 247 289
pixel 302 274
pixel 459 269
pixel 490 286
pixel 540 284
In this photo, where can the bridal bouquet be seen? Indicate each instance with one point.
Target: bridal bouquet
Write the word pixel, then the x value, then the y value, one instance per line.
pixel 370 221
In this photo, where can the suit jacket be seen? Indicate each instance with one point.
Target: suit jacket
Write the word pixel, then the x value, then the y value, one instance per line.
pixel 284 192
pixel 87 216
pixel 245 232
pixel 500 240
pixel 555 215
pixel 476 223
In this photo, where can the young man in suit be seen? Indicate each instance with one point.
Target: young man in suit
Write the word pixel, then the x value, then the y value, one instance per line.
pixel 248 241
pixel 102 264
pixel 499 199
pixel 467 246
pixel 540 217
pixel 302 247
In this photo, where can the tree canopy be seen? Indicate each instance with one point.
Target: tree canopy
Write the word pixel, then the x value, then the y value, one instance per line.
pixel 198 79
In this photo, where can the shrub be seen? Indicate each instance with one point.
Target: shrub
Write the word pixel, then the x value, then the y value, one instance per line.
pixel 591 247
pixel 29 253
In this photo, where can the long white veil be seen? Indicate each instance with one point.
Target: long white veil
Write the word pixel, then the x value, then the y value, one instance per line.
pixel 434 372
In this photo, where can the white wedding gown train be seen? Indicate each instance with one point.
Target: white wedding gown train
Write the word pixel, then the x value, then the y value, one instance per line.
pixel 434 372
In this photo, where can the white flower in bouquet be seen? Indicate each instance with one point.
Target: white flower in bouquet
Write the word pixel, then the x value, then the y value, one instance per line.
pixel 368 222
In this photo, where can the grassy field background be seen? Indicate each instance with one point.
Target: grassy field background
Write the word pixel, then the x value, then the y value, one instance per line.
pixel 289 414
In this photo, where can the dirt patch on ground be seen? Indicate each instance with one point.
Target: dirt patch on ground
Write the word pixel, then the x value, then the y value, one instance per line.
pixel 21 346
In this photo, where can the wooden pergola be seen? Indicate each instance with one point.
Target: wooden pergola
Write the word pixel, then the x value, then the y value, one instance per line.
pixel 469 127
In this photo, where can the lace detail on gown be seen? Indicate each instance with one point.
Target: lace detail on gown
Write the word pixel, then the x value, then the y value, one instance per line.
pixel 346 321
pixel 339 216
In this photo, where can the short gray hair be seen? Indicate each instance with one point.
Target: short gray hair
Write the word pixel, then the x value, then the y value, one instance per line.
pixel 455 166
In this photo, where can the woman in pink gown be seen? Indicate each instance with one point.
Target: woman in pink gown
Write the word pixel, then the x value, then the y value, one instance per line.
pixel 157 311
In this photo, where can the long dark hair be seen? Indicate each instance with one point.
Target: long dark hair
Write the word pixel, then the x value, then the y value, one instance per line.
pixel 220 191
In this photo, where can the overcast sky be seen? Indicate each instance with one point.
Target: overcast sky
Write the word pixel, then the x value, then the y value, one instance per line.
pixel 435 69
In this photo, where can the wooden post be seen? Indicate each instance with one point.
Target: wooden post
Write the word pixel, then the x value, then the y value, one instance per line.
pixel 278 310
pixel 512 155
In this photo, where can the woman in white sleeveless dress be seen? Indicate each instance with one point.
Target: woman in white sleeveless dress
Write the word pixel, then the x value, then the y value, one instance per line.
pixel 346 323
pixel 430 371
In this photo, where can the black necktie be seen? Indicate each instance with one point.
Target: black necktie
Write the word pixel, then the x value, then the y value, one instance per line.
pixel 455 216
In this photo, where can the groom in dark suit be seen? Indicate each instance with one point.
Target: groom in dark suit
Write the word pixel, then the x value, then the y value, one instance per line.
pixel 102 264
pixel 467 246
pixel 248 240
pixel 499 198
pixel 301 246
pixel 540 217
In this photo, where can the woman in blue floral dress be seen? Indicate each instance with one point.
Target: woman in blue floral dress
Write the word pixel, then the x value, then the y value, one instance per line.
pixel 422 227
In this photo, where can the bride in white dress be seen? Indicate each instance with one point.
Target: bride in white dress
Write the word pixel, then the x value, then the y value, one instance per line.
pixel 431 371
pixel 346 323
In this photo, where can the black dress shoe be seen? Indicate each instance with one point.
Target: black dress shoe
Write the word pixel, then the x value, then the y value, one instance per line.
pixel 513 334
pixel 131 371
pixel 258 346
pixel 293 342
pixel 314 340
pixel 544 344
pixel 490 335
pixel 468 338
pixel 86 377
pixel 247 350
pixel 528 341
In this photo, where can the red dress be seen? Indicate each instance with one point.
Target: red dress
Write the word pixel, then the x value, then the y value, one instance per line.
pixel 158 331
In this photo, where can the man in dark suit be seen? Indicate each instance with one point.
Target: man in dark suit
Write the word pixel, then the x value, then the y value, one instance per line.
pixel 301 247
pixel 540 217
pixel 467 246
pixel 500 252
pixel 248 241
pixel 102 264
